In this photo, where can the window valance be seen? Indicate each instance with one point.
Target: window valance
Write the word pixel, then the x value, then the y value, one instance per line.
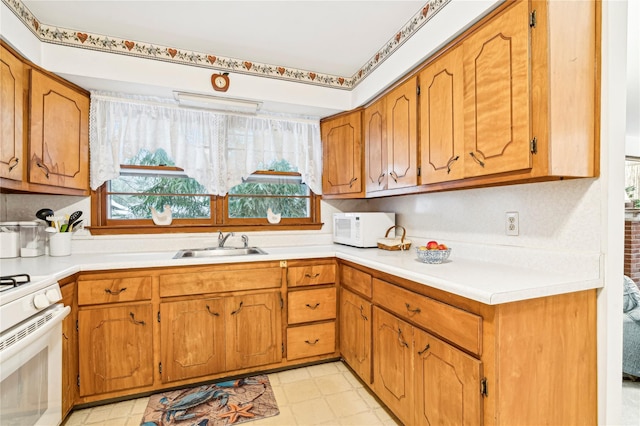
pixel 217 149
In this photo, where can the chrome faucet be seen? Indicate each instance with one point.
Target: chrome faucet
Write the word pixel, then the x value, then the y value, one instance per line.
pixel 245 241
pixel 223 238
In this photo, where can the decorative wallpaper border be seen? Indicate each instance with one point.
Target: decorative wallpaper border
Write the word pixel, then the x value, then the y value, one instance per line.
pixel 63 36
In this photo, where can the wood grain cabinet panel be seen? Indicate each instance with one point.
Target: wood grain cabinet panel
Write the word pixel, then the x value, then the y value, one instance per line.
pixel 356 280
pixel 355 333
pixel 59 134
pixel 69 350
pixel 312 305
pixel 107 290
pixel 311 340
pixel 116 348
pixel 12 106
pixel 311 275
pixel 442 119
pixel 497 97
pixel 342 155
pixel 375 142
pixel 401 114
pixel 192 336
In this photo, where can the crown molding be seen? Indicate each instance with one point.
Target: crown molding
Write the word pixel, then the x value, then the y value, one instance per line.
pixel 114 45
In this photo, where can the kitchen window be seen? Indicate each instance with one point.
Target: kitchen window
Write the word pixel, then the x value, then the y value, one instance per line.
pixel 151 180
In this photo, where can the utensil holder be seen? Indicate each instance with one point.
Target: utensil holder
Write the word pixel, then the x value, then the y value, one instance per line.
pixel 60 244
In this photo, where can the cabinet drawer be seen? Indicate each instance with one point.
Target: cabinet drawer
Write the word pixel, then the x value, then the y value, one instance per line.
pixel 310 340
pixel 108 290
pixel 356 280
pixel 312 305
pixel 311 275
pixel 456 325
pixel 236 278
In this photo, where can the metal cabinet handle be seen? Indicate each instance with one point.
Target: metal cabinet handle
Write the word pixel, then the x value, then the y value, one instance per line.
pixel 43 167
pixel 394 176
pixel 215 314
pixel 312 307
pixel 237 310
pixel 312 343
pixel 477 159
pixel 114 293
pixel 413 311
pixel 380 178
pixel 401 340
pixel 133 318
pixel 65 336
pixel 352 181
pixel 453 160
pixel 13 166
pixel 312 276
pixel 426 348
pixel 362 313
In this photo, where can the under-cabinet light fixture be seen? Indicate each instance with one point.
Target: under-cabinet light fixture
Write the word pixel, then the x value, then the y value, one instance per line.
pixel 217 103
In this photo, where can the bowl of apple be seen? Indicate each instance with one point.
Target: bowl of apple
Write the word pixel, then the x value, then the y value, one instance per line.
pixel 433 252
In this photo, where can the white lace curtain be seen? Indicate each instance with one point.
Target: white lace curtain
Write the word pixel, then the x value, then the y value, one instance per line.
pixel 216 149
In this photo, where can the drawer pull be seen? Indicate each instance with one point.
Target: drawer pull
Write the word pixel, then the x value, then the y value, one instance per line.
pixel 312 343
pixel 13 166
pixel 65 336
pixel 133 318
pixel 215 314
pixel 454 159
pixel 477 159
pixel 426 348
pixel 237 310
pixel 413 311
pixel 362 313
pixel 380 178
pixel 312 276
pixel 114 293
pixel 312 307
pixel 351 182
pixel 43 167
pixel 401 340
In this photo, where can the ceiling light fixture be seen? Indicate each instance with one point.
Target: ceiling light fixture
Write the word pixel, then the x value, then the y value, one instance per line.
pixel 217 103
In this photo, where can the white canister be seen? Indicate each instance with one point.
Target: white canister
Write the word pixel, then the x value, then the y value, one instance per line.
pixel 32 238
pixel 9 240
pixel 60 244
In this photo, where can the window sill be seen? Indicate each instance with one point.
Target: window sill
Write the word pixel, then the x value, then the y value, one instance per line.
pixel 185 229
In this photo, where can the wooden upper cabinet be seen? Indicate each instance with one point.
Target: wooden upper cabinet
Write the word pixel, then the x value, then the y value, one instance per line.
pixel 59 140
pixel 442 119
pixel 401 113
pixel 375 140
pixel 342 155
pixel 497 103
pixel 12 104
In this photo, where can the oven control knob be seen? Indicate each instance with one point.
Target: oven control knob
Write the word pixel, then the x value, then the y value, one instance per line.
pixel 53 295
pixel 41 301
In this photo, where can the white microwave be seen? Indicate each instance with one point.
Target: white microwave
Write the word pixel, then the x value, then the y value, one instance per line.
pixel 362 229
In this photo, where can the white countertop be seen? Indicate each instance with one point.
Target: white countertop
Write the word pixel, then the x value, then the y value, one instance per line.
pixel 487 282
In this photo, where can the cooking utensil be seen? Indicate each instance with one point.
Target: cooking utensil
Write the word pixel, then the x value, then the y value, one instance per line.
pixel 42 214
pixel 51 230
pixel 73 218
pixel 74 225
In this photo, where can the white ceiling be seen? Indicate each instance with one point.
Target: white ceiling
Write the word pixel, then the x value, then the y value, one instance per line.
pixel 333 37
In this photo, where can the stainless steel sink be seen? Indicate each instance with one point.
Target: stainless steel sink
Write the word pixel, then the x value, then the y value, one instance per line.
pixel 218 251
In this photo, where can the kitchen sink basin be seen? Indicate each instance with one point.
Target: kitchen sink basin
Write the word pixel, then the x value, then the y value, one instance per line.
pixel 218 252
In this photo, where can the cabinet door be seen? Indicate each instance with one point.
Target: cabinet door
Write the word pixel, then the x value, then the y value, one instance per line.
pixel 11 115
pixel 496 99
pixel 59 140
pixel 402 135
pixel 447 383
pixel 116 344
pixel 392 363
pixel 375 143
pixel 442 119
pixel 342 155
pixel 253 330
pixel 355 333
pixel 192 338
pixel 69 351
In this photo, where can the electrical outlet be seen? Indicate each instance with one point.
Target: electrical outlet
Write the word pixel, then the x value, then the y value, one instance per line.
pixel 512 227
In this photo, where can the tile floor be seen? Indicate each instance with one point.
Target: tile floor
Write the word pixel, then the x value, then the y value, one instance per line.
pixel 324 394
pixel 630 403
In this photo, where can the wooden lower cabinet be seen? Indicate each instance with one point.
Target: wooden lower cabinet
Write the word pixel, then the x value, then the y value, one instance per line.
pixel 253 330
pixel 192 338
pixel 116 348
pixel 355 333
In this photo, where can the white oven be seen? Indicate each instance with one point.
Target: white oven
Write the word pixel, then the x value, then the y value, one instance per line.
pixel 31 359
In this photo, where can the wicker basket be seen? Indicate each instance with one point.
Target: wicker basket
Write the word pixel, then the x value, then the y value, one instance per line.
pixel 394 244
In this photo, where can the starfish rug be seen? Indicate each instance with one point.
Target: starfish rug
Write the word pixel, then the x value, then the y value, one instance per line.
pixel 217 404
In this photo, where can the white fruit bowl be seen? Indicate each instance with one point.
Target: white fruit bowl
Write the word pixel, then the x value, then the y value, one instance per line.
pixel 432 256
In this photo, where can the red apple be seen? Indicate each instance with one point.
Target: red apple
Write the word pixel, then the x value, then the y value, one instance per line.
pixel 432 245
pixel 442 247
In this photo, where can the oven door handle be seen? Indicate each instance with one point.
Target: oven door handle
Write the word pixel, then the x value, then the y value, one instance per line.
pixel 19 346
